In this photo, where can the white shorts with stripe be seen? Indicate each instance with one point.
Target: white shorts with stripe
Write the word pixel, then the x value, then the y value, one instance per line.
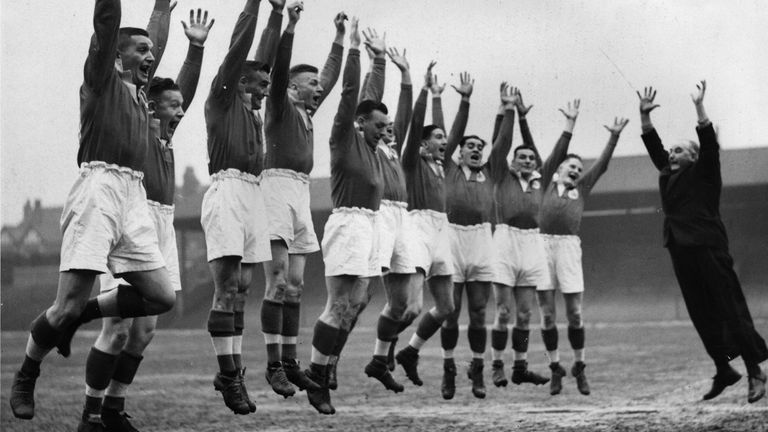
pixel 286 198
pixel 564 259
pixel 106 223
pixel 351 243
pixel 473 253
pixel 520 257
pixel 234 218
pixel 433 248
pixel 396 238
pixel 162 217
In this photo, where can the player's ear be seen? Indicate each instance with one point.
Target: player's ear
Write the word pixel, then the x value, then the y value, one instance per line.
pixel 151 105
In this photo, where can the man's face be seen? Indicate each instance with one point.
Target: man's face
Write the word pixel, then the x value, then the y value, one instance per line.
pixel 256 85
pixel 137 58
pixel 569 172
pixel 374 127
pixel 169 111
pixel 435 144
pixel 471 153
pixel 524 162
pixel 680 156
pixel 306 88
pixel 389 133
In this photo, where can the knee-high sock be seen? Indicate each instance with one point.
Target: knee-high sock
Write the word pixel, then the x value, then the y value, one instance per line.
pixel 290 333
pixel 99 368
pixel 519 343
pixel 551 337
pixel 221 326
pixel 428 326
pixel 386 332
pixel 323 342
pixel 449 338
pixel 125 371
pixel 478 338
pixel 576 337
pixel 237 339
pixel 498 343
pixel 272 326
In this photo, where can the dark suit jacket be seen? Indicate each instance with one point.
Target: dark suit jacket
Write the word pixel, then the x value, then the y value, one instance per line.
pixel 690 196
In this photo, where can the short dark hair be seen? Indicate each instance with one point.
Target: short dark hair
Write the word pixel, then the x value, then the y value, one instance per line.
pixel 469 137
pixel 159 85
pixel 255 66
pixel 573 156
pixel 366 107
pixel 523 147
pixel 301 68
pixel 427 131
pixel 124 36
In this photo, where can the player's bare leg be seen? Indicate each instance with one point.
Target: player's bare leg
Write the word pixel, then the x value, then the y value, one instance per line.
pixel 525 296
pixel 413 309
pixel 441 288
pixel 238 309
pixel 573 304
pixel 396 287
pixel 499 331
pixel 449 338
pixel 477 300
pixel 276 273
pixel 550 336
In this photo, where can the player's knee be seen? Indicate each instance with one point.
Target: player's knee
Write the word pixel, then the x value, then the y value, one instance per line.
pixel 477 317
pixel 140 339
pixel 503 314
pixel 164 301
pixel 397 311
pixel 293 291
pixel 523 316
pixel 574 318
pixel 117 337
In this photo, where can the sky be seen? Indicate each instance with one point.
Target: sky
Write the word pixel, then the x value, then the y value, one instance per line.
pixel 554 51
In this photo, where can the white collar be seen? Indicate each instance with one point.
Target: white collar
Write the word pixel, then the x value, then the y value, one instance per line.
pixel 468 173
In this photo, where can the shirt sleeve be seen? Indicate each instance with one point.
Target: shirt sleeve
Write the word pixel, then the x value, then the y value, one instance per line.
pixel 411 153
pixel 344 122
pixel 189 75
pixel 100 63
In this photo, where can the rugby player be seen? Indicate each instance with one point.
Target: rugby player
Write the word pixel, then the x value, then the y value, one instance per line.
pixel 295 95
pixel 350 241
pixel 690 183
pixel 106 222
pixel 521 263
pixel 128 338
pixel 562 208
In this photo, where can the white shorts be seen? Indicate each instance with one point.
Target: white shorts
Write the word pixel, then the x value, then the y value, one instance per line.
pixel 106 224
pixel 286 197
pixel 351 243
pixel 473 253
pixel 234 218
pixel 564 258
pixel 433 246
pixel 520 257
pixel 162 216
pixel 396 238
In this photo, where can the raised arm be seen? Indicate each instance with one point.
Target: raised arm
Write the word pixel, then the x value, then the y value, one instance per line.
pixel 278 92
pixel 497 161
pixel 405 101
pixel 437 101
pixel 332 68
pixel 525 131
pixel 101 53
pixel 659 156
pixel 374 86
pixel 597 169
pixel 413 146
pixel 344 122
pixel 465 88
pixel 225 83
pixel 708 164
pixel 189 75
pixel 571 113
pixel 158 27
pixel 270 37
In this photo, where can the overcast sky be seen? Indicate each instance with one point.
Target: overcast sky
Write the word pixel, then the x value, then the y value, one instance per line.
pixel 550 49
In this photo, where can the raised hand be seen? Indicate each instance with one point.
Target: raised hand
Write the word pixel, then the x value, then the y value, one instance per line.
pixel 466 85
pixel 376 44
pixel 354 35
pixel 571 112
pixel 618 125
pixel 294 12
pixel 646 100
pixel 338 22
pixel 509 95
pixel 436 88
pixel 428 77
pixel 522 110
pixel 277 5
pixel 399 60
pixel 698 97
pixel 198 28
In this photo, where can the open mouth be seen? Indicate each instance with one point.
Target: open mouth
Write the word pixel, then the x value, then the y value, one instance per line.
pixel 172 125
pixel 316 99
pixel 474 157
pixel 144 69
pixel 573 176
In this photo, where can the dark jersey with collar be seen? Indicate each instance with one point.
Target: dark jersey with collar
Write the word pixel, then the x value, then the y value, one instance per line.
pixel 469 201
pixel 159 172
pixel 392 172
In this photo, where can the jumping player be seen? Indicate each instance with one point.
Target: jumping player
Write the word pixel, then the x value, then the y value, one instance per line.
pixel 562 208
pixel 106 222
pixel 128 338
pixel 295 95
pixel 233 214
pixel 521 263
pixel 350 240
pixel 690 183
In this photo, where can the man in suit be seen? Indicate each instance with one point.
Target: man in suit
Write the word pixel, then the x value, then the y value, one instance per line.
pixel 690 185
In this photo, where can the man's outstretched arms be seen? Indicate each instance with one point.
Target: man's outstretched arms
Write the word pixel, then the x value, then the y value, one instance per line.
pixel 597 169
pixel 659 156
pixel 197 33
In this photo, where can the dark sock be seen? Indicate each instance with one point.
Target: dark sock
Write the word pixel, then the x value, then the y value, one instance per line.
pixel 428 326
pixel 576 337
pixel 129 302
pixel 272 323
pixel 291 323
pixel 753 369
pixel 239 319
pixel 341 341
pixel 30 367
pixel 550 337
pixel 387 328
pixel 478 338
pixel 92 407
pixel 114 403
pixel 404 325
pixel 520 339
pixel 449 337
pixel 324 338
pixel 99 368
pixel 222 324
pixel 44 335
pixel 91 311
pixel 499 339
pixel 125 370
